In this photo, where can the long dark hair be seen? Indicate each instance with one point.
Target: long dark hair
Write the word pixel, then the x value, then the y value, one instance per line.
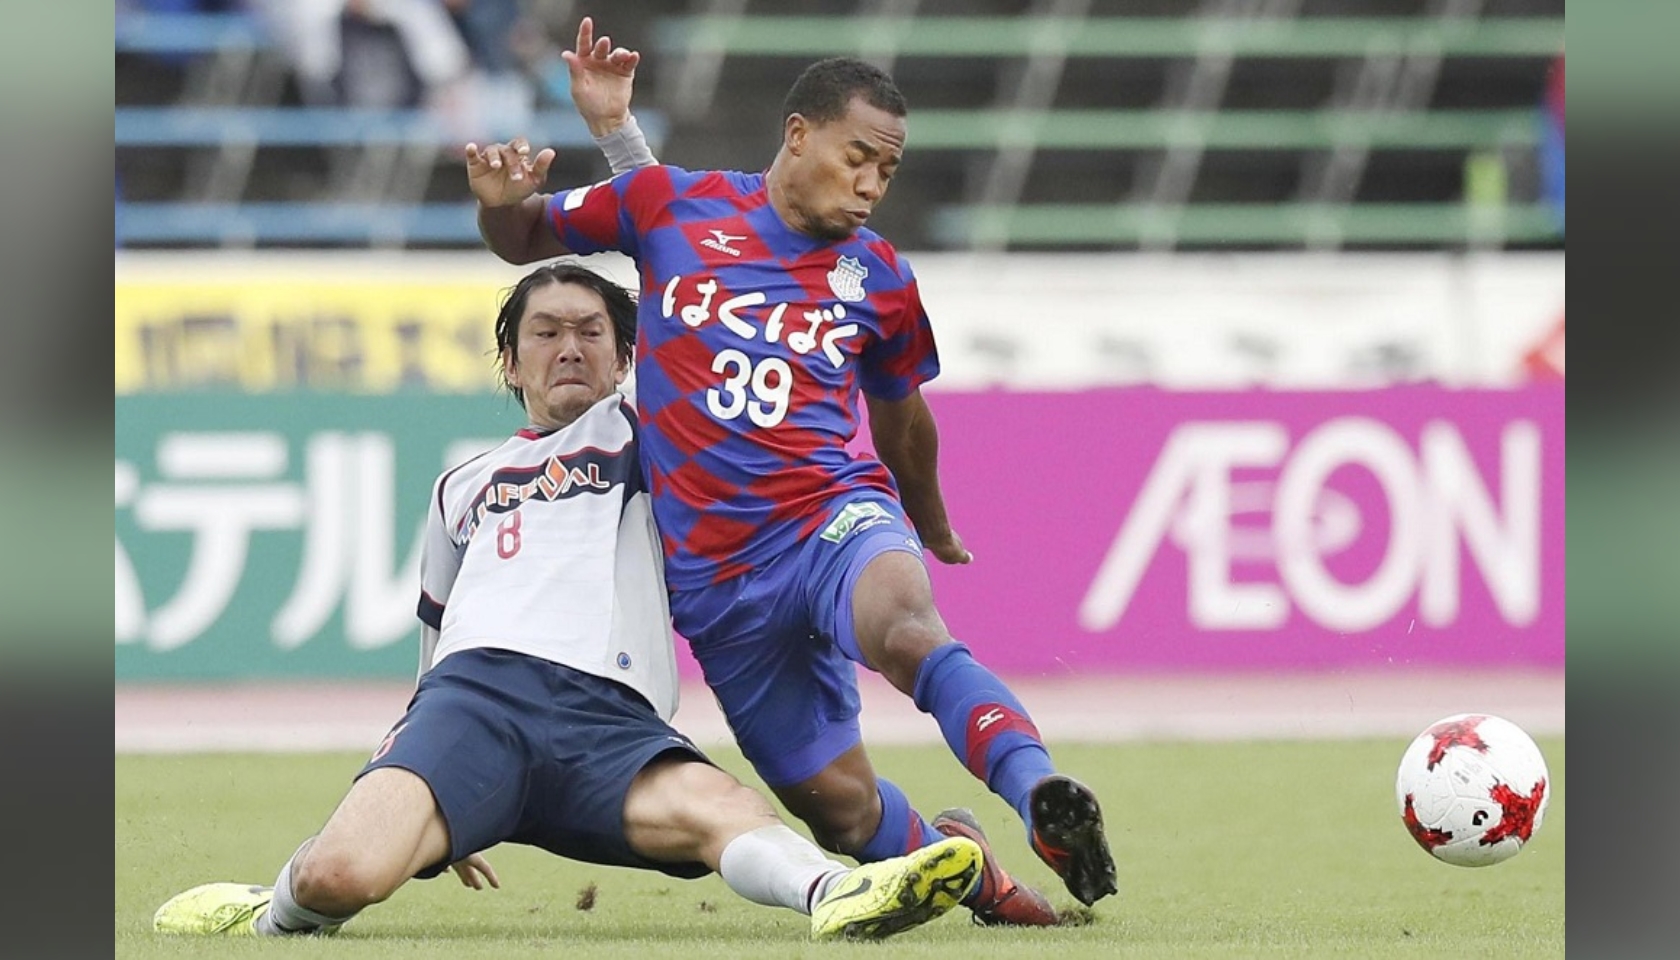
pixel 621 308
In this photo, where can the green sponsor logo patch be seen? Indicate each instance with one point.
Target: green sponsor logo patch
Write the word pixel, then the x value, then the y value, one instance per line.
pixel 848 519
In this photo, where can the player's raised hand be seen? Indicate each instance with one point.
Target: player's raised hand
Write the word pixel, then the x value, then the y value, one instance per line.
pixel 504 174
pixel 602 78
pixel 948 548
pixel 475 871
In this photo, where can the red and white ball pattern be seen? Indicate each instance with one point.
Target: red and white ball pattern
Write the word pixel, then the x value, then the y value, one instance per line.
pixel 1472 789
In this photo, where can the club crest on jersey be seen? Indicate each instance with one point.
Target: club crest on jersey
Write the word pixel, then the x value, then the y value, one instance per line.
pixel 721 241
pixel 846 279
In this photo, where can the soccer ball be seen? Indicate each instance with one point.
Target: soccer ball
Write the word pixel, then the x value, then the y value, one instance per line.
pixel 1472 789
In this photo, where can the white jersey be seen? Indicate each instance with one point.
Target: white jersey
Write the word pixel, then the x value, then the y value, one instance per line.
pixel 546 546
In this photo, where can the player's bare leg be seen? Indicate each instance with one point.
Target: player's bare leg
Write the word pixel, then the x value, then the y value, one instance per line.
pixel 842 805
pixel 682 810
pixel 851 811
pixel 386 829
pixel 900 633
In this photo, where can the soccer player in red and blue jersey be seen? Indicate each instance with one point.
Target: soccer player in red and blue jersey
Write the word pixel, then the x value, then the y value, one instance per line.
pixel 767 307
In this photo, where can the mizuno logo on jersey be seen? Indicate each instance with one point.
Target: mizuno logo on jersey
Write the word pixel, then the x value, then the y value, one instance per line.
pixel 721 241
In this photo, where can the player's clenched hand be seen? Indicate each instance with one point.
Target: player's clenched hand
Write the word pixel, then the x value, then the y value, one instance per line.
pixel 948 548
pixel 475 871
pixel 602 77
pixel 503 174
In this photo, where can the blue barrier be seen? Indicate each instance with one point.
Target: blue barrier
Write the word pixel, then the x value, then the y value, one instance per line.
pixel 333 127
pixel 245 224
pixel 174 33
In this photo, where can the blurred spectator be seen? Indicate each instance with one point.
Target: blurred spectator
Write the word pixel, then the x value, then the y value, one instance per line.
pixel 179 6
pixel 499 94
pixel 455 57
pixel 166 7
pixel 1544 360
pixel 488 28
pixel 387 54
pixel 1551 142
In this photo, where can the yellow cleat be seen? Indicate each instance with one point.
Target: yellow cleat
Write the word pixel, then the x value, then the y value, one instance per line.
pixel 877 900
pixel 214 910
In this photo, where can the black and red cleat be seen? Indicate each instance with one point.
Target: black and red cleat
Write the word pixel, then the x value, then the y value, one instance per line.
pixel 998 900
pixel 1067 834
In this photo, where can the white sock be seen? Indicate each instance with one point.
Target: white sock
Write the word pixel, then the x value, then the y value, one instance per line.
pixel 778 868
pixel 285 915
pixel 824 884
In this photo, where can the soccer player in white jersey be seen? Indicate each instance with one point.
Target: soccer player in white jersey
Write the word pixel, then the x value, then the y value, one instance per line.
pixel 771 317
pixel 547 677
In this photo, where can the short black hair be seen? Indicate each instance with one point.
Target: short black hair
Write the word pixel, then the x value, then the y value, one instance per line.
pixel 621 308
pixel 823 90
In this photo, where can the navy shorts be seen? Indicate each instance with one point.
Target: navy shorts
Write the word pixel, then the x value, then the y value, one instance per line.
pixel 777 647
pixel 520 750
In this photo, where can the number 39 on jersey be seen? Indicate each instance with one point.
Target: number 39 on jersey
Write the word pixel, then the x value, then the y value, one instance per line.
pixel 761 390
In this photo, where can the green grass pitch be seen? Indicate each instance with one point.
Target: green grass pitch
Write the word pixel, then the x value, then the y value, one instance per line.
pixel 1227 850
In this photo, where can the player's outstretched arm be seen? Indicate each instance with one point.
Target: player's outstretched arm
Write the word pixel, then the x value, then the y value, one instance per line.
pixel 504 178
pixel 908 443
pixel 603 79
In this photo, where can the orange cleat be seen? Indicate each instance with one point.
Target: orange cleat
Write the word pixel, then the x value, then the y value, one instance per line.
pixel 998 900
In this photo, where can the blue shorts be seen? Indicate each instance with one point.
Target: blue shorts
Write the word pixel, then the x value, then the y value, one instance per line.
pixel 777 647
pixel 517 749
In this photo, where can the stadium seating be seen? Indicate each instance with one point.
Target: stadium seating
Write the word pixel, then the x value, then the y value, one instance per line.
pixel 1109 37
pixel 320 126
pixel 197 33
pixel 378 142
pixel 298 223
pixel 1102 130
pixel 1055 124
pixel 229 157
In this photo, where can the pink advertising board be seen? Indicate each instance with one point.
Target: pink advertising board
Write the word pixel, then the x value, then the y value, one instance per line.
pixel 1134 528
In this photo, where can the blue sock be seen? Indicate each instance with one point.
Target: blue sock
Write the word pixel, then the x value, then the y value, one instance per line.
pixel 984 725
pixel 902 829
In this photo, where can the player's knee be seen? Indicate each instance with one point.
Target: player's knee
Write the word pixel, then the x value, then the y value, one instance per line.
pixel 843 813
pixel 846 834
pixel 336 880
pixel 727 805
pixel 894 618
pixel 710 801
pixel 744 803
pixel 906 642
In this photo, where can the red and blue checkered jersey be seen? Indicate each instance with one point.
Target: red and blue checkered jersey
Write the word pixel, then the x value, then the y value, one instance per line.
pixel 753 341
